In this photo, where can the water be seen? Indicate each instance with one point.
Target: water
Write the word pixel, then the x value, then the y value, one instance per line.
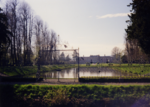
pixel 73 73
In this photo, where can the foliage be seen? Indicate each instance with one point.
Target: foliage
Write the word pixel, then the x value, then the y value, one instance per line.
pixel 93 65
pixel 21 21
pixel 124 59
pixel 116 53
pixel 87 64
pixel 5 34
pixel 74 95
pixel 110 64
pixel 139 23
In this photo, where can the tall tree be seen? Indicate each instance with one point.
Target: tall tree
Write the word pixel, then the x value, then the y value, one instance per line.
pixel 133 51
pixel 23 25
pixel 27 27
pixel 116 53
pixel 5 35
pixel 139 24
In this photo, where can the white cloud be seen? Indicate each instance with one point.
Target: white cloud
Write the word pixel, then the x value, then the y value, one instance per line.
pixel 112 15
pixel 90 16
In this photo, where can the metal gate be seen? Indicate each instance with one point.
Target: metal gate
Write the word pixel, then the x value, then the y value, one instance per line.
pixel 60 63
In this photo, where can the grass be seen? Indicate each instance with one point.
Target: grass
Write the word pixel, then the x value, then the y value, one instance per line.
pixel 139 69
pixel 93 65
pixel 27 70
pixel 115 79
pixel 74 95
pixel 136 69
pixel 16 70
pixel 112 64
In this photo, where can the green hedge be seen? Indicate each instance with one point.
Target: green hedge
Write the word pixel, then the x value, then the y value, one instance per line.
pixel 74 95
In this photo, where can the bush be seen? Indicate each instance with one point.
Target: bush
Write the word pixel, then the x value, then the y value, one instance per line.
pixel 129 64
pixel 87 64
pixel 110 64
pixel 73 95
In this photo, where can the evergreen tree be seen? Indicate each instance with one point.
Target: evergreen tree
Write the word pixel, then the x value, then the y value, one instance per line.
pixel 139 24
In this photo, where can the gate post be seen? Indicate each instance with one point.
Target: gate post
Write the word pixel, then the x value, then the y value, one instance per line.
pixel 39 61
pixel 78 64
pixel 38 71
pixel 58 75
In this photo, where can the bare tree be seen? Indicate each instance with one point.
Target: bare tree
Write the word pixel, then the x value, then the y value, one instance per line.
pixel 116 53
pixel 38 33
pixel 23 25
pixel 11 11
pixel 27 25
pixel 133 52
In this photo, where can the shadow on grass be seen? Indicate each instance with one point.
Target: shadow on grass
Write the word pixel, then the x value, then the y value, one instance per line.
pixel 19 79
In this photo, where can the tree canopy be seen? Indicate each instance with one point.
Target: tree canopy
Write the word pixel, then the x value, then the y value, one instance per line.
pixel 139 24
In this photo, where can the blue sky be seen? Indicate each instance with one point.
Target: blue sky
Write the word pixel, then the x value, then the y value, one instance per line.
pixel 95 26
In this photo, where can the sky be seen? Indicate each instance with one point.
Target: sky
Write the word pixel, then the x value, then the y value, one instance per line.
pixel 93 26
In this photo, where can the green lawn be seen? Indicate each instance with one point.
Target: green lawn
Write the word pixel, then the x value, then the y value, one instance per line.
pixel 26 70
pixel 136 69
pixel 139 69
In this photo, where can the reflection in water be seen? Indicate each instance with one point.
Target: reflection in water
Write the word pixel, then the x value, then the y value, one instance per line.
pixel 73 73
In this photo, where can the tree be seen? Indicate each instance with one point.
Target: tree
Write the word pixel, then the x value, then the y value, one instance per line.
pixel 26 28
pixel 124 59
pixel 68 58
pixel 26 19
pixel 116 52
pixel 20 23
pixel 5 34
pixel 139 24
pixel 133 51
pixel 62 56
pixel 75 55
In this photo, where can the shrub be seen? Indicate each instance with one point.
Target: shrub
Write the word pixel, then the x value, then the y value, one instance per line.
pixel 110 64
pixel 73 95
pixel 87 64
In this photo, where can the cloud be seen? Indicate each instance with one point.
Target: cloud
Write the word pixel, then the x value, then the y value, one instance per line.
pixel 90 16
pixel 113 15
